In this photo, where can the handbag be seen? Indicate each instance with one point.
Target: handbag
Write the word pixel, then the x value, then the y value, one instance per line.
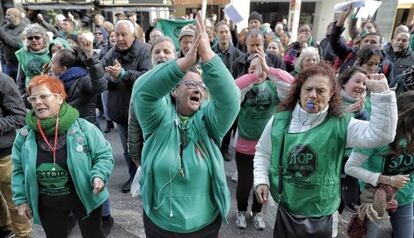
pixel 290 226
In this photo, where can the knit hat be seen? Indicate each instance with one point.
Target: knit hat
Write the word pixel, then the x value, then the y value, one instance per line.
pixel 255 16
pixel 188 30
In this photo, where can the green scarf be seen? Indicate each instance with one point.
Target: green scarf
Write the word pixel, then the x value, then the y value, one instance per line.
pixel 67 116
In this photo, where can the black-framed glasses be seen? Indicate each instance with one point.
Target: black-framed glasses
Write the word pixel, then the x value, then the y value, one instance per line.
pixel 42 97
pixel 30 38
pixel 192 84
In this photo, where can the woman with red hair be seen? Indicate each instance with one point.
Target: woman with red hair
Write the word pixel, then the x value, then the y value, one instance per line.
pixel 60 163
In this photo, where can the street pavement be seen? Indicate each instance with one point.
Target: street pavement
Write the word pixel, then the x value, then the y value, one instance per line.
pixel 127 211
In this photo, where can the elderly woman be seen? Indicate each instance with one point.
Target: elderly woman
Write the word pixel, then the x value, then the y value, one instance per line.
pixel 308 57
pixel 184 190
pixel 61 163
pixel 33 55
pixel 306 141
pixel 390 168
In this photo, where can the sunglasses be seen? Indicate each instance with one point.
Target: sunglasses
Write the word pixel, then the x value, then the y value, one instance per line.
pixel 30 38
pixel 191 84
pixel 42 97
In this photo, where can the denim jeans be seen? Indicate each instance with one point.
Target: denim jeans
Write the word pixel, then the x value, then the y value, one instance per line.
pixel 401 222
pixel 104 98
pixel 106 208
pixel 123 134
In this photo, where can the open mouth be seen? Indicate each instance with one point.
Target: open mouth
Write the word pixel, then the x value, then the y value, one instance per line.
pixel 41 110
pixel 195 98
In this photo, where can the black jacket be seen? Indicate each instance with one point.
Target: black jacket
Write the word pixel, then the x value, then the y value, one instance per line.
pixel 9 42
pixel 401 60
pixel 84 91
pixel 241 66
pixel 135 61
pixel 229 56
pixel 12 113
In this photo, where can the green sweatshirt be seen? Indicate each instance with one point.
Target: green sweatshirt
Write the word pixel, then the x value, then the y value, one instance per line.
pixel 89 156
pixel 184 202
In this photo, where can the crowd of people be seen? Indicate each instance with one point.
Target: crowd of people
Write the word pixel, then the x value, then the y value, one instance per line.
pixel 320 126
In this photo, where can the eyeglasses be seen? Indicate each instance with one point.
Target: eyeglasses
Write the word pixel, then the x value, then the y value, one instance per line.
pixel 42 97
pixel 30 38
pixel 191 84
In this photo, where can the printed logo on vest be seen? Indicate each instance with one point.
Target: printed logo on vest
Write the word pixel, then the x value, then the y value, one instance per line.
pixel 302 161
pixel 399 164
pixel 34 67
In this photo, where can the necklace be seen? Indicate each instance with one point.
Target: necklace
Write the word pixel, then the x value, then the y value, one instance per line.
pixel 52 148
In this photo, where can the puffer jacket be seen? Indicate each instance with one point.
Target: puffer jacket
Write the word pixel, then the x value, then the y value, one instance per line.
pixel 84 91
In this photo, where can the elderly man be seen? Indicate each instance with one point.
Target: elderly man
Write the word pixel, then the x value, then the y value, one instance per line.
pixel 185 39
pixel 124 63
pixel 12 112
pixel 10 41
pixel 399 53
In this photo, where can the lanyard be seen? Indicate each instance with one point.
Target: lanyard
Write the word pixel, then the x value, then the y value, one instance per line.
pixel 53 149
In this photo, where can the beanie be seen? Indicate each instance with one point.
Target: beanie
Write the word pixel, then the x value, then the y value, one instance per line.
pixel 255 16
pixel 188 30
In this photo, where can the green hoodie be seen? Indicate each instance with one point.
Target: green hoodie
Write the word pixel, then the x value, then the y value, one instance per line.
pixel 172 201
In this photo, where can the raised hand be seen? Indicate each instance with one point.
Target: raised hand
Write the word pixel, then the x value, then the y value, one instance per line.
pixel 377 83
pixel 204 49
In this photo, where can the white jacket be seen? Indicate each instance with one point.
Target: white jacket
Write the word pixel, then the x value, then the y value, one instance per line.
pixel 380 130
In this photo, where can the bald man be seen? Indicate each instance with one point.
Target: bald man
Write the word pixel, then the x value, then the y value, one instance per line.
pixel 10 41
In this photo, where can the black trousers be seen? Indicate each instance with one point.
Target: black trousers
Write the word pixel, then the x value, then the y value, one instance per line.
pixel 245 183
pixel 154 231
pixel 55 220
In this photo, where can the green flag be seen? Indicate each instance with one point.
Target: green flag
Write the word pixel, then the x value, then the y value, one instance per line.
pixel 172 28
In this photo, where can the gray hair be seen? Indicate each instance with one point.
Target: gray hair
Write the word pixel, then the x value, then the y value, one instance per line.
pixel 127 22
pixel 308 51
pixel 35 29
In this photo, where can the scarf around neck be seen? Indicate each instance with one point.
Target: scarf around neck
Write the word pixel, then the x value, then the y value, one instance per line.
pixel 67 116
pixel 71 75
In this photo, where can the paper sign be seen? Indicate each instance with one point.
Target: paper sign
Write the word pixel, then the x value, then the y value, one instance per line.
pixel 370 8
pixel 343 6
pixel 231 12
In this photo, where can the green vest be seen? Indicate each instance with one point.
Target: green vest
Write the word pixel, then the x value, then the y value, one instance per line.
pixel 259 105
pixel 31 63
pixel 380 162
pixel 311 165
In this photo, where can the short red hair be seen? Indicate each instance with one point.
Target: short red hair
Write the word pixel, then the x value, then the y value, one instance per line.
pixel 54 84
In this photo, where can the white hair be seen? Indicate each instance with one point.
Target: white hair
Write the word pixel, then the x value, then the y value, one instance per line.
pixel 127 22
pixel 308 51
